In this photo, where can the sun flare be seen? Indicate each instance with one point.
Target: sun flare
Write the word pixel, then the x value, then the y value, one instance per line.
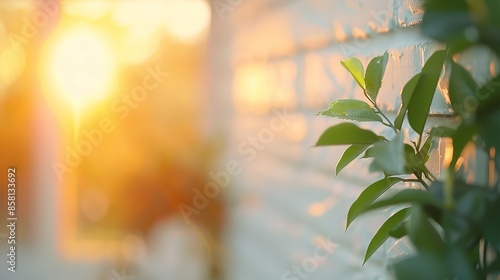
pixel 80 66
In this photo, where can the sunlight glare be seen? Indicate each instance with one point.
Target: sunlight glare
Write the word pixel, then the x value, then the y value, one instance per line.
pixel 141 29
pixel 12 63
pixel 186 20
pixel 91 9
pixel 81 66
pixel 253 88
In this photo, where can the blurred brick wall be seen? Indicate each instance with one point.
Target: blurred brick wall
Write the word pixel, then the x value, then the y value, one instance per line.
pixel 270 55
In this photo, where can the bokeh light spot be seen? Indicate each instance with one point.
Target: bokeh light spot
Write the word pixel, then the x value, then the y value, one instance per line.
pixel 186 20
pixel 81 66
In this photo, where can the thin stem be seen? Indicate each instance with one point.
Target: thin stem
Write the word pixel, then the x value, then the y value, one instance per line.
pixel 415 146
pixel 386 124
pixel 485 253
pixel 422 181
pixel 425 184
pixel 411 180
pixel 389 123
pixel 419 142
pixel 368 97
pixel 418 180
pixel 430 176
pixel 426 172
pixel 449 201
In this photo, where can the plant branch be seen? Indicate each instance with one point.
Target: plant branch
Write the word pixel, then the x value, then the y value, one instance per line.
pixel 419 177
pixel 386 124
pixel 389 123
pixel 417 180
pixel 429 175
pixel 419 142
pixel 448 187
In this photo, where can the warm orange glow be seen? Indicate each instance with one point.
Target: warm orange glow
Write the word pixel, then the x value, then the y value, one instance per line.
pixel 94 204
pixel 253 88
pixel 297 129
pixel 317 209
pixel 493 69
pixel 26 5
pixel 88 9
pixel 80 66
pixel 12 57
pixel 338 31
pixel 137 50
pixel 95 62
pixel 285 95
pixel 140 20
pixel 359 33
pixel 12 63
pixel 140 30
pixel 317 84
pixel 184 20
pixel 448 153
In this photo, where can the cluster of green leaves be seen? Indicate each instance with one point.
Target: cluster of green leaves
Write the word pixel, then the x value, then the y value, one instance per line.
pixel 454 225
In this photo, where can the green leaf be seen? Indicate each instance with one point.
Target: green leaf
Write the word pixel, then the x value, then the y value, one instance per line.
pixel 420 102
pixel 346 134
pixel 422 233
pixel 493 8
pixel 399 231
pixel 388 156
pixel 355 67
pixel 461 24
pixel 488 96
pixel 488 113
pixel 489 124
pixel 404 197
pixel 447 21
pixel 437 131
pixel 458 263
pixel 418 267
pixel 461 188
pixel 349 155
pixel 461 137
pixel 491 226
pixel 383 233
pixel 450 264
pixel 406 95
pixel 473 203
pixel 368 196
pixel 351 109
pixel 458 229
pixel 462 88
pixel 413 160
pixel 494 266
pixel 374 74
